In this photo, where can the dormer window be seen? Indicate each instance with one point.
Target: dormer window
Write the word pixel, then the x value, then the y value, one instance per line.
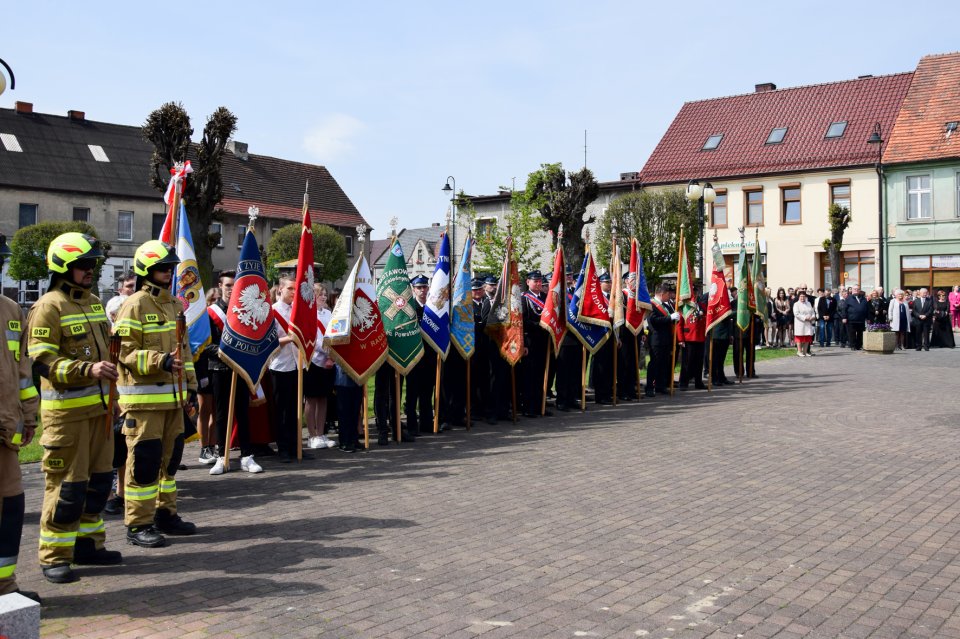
pixel 776 135
pixel 836 129
pixel 712 142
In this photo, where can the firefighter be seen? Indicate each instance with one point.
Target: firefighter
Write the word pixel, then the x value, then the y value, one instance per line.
pixel 153 369
pixel 17 422
pixel 69 343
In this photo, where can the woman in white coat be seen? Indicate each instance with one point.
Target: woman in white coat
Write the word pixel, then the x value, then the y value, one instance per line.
pixel 803 320
pixel 898 313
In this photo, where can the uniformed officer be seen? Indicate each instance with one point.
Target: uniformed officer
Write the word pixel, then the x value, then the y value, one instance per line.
pixel 691 333
pixel 661 321
pixel 153 369
pixel 480 377
pixel 384 406
pixel 602 363
pixel 421 381
pixel 569 361
pixel 535 346
pixel 627 370
pixel 17 422
pixel 69 342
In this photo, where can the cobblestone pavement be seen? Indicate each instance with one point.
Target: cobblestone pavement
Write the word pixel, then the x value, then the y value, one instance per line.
pixel 820 500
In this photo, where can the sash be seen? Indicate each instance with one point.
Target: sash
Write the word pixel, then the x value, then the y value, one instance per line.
pixel 536 300
pixel 217 315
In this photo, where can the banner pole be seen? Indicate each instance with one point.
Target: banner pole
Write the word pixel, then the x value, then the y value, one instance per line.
pixel 710 364
pixel 546 375
pixel 636 365
pixel 583 380
pixel 299 430
pixel 513 391
pixel 225 453
pixel 366 424
pixel 740 358
pixel 396 403
pixel 752 353
pixel 468 393
pixel 436 400
pixel 616 356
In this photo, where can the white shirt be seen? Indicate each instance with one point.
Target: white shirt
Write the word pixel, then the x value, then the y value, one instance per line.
pixel 285 359
pixel 320 356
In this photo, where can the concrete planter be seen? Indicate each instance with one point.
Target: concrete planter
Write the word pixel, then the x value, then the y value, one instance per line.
pixel 884 342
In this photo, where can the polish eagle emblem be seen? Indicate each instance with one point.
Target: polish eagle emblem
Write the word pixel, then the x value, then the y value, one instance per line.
pixel 363 316
pixel 306 288
pixel 254 309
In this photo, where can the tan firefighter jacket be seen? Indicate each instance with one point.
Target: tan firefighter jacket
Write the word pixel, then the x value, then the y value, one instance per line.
pixel 16 379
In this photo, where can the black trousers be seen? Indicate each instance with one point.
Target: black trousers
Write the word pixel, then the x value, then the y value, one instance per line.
pixel 720 347
pixel 385 400
pixel 285 403
pixel 421 382
pixel 627 365
pixel 453 391
pixel 220 380
pixel 569 362
pixel 348 413
pixel 481 383
pixel 658 370
pixel 921 329
pixel 534 366
pixel 602 373
pixel 743 353
pixel 855 334
pixel 691 364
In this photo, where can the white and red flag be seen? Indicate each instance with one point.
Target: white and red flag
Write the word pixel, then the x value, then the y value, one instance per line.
pixel 303 315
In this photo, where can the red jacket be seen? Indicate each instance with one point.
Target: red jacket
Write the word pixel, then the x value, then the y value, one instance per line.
pixel 693 329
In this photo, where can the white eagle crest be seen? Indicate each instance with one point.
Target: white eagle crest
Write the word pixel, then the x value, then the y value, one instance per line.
pixel 254 309
pixel 306 288
pixel 515 297
pixel 363 313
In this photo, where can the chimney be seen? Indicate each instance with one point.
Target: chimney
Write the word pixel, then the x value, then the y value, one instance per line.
pixel 435 225
pixel 864 77
pixel 763 88
pixel 77 116
pixel 239 149
pixel 23 107
pixel 630 175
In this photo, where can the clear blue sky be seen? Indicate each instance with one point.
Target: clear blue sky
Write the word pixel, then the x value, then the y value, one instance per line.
pixel 393 97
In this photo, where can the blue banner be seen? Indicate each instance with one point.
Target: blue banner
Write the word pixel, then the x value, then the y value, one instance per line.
pixel 462 327
pixel 436 313
pixel 188 287
pixel 591 336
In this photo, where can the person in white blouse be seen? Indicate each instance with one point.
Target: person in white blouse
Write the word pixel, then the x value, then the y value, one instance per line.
pixel 318 379
pixel 283 375
pixel 898 314
pixel 803 322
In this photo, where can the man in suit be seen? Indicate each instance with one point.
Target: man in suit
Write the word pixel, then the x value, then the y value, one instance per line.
pixel 569 362
pixel 480 377
pixel 535 343
pixel 629 343
pixel 840 329
pixel 922 319
pixel 421 381
pixel 825 313
pixel 856 317
pixel 661 322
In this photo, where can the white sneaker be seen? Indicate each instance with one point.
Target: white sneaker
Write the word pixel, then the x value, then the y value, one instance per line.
pixel 314 443
pixel 326 442
pixel 217 467
pixel 247 464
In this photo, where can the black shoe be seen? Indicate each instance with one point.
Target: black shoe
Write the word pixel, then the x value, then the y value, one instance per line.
pixel 383 439
pixel 603 401
pixel 85 553
pixel 649 394
pixel 145 537
pixel 29 594
pixel 548 413
pixel 531 415
pixel 700 386
pixel 59 574
pixel 408 436
pixel 563 408
pixel 114 505
pixel 492 421
pixel 174 525
pixel 284 457
pixel 349 449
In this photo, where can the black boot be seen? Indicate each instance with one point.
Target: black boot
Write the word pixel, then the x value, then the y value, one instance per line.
pixel 172 524
pixel 29 594
pixel 145 536
pixel 383 438
pixel 59 574
pixel 85 553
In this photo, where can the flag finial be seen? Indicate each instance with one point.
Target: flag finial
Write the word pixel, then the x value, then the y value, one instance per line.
pixel 586 235
pixel 306 195
pixel 362 232
pixel 715 238
pixel 252 213
pixel 743 242
pixel 449 216
pixel 560 232
pixel 394 221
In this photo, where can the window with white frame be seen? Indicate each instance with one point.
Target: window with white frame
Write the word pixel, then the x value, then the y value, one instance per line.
pixel 216 228
pixel 241 232
pixel 349 242
pixel 125 226
pixel 919 197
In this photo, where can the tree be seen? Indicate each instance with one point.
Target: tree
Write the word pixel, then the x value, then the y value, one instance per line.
pixel 329 251
pixel 168 129
pixel 29 248
pixel 491 246
pixel 655 219
pixel 839 217
pixel 560 198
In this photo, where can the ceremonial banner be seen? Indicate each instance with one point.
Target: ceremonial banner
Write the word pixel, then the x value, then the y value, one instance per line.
pixel 462 327
pixel 759 285
pixel 685 281
pixel 303 315
pixel 616 300
pixel 593 307
pixel 592 336
pixel 718 306
pixel 745 299
pixel 435 323
pixel 250 332
pixel 506 323
pixel 186 284
pixel 356 335
pixel 404 343
pixel 638 297
pixel 554 315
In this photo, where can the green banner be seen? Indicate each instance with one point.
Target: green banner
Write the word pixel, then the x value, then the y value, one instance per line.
pixel 395 299
pixel 759 284
pixel 745 296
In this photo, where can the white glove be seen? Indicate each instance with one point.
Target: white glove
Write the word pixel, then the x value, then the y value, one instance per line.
pixel 675 316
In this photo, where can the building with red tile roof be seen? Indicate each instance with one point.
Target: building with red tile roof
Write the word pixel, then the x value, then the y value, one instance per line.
pixel 921 163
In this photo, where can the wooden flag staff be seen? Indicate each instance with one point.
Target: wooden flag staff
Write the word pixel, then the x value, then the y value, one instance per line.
pixel 615 289
pixel 225 453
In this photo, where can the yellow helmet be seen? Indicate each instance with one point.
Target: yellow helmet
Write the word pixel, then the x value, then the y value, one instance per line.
pixel 71 247
pixel 151 254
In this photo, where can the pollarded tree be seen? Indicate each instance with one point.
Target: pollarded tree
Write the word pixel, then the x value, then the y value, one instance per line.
pixel 169 130
pixel 329 251
pixel 490 248
pixel 839 217
pixel 655 219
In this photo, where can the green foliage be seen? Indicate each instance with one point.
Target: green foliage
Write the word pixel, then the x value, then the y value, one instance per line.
pixel 329 251
pixel 655 219
pixel 490 249
pixel 29 247
pixel 168 129
pixel 839 219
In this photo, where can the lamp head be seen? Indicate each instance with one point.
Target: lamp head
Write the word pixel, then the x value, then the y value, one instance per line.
pixel 694 191
pixel 709 195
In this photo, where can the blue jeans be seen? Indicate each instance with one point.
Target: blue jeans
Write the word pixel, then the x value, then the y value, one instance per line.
pixel 824 331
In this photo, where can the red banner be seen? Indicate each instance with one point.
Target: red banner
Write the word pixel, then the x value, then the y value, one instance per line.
pixel 303 316
pixel 594 307
pixel 554 315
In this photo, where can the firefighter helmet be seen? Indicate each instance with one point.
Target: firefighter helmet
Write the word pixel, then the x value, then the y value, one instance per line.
pixel 151 254
pixel 68 248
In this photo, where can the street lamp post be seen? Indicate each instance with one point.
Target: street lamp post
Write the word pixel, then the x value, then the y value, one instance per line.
pixel 3 81
pixel 702 196
pixel 877 138
pixel 453 208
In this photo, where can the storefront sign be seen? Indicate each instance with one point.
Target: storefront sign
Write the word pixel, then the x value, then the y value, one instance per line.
pixel 734 247
pixel 946 261
pixel 916 261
